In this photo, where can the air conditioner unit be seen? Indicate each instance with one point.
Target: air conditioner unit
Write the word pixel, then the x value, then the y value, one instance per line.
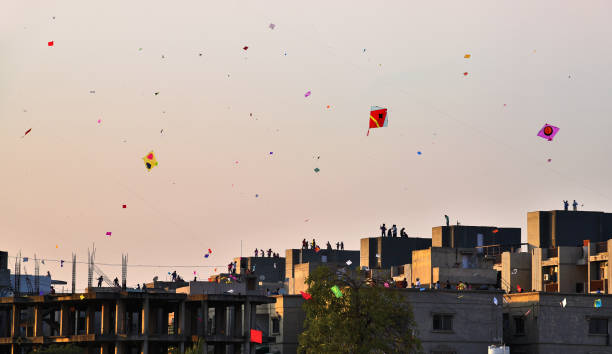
pixel 546 277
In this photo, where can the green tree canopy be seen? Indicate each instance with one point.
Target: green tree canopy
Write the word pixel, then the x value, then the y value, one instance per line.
pixel 366 319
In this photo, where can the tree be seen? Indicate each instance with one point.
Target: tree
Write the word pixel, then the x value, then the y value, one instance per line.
pixel 60 349
pixel 196 348
pixel 367 318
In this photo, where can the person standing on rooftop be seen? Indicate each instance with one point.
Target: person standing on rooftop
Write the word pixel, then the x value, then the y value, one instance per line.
pixel 575 205
pixel 342 246
pixel 565 205
pixel 446 217
pixel 383 229
pixel 394 228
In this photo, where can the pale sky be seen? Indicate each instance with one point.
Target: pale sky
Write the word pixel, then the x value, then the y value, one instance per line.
pixel 65 182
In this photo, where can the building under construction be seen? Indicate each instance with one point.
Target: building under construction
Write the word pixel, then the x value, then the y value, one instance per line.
pixel 114 321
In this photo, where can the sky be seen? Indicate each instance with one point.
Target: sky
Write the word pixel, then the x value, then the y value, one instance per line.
pixel 240 140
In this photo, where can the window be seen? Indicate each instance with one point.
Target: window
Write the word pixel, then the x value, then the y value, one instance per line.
pixel 519 325
pixel 276 325
pixel 598 326
pixel 443 322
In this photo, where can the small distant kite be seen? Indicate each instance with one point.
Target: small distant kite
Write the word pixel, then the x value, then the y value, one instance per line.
pixel 307 94
pixel 467 56
pixel 317 170
pixel 272 26
pixel 245 48
pixel 548 132
pixel 26 133
pixel 150 161
pixel 50 44
pixel 378 118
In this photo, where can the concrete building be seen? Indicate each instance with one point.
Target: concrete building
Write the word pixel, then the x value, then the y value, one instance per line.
pixel 538 323
pixel 301 272
pixel 300 256
pixel 561 269
pixel 385 252
pixel 452 264
pixel 500 239
pixel 459 322
pixel 555 228
pixel 271 268
pixel 285 322
pixel 129 322
pixel 516 271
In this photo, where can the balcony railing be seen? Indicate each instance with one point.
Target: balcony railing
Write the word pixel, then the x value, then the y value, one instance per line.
pixel 599 285
pixel 551 287
pixel 601 247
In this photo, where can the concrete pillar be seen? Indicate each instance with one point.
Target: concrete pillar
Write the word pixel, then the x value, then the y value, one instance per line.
pixel 119 318
pixel 237 332
pixel 90 319
pixel 145 318
pixel 105 315
pixel 65 325
pixel 160 322
pixel 203 324
pixel 15 319
pixel 247 328
pixel 105 349
pixel 38 321
pixel 119 348
pixel 181 318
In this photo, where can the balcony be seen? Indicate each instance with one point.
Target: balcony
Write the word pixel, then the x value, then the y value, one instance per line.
pixel 601 247
pixel 551 287
pixel 552 253
pixel 601 284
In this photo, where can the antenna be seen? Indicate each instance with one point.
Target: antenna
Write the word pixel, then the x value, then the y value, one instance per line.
pixel 90 265
pixel 73 273
pixel 36 276
pixel 124 260
pixel 18 274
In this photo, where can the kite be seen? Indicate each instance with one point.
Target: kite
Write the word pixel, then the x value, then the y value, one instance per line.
pixel 597 303
pixel 467 56
pixel 82 297
pixel 336 291
pixel 50 44
pixel 307 94
pixel 349 262
pixel 99 121
pixel 317 249
pixel 495 231
pixel 272 26
pixel 548 132
pixel 306 296
pixel 108 233
pixel 564 302
pixel 386 285
pixel 245 48
pixel 150 161
pixel 378 118
pixel 465 73
pixel 495 301
pixel 317 170
pixel 124 206
pixel 25 259
pixel 26 133
pixel 255 336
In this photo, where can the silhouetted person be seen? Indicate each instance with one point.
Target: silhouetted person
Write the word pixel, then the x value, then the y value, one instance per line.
pixel 565 205
pixel 100 279
pixel 314 244
pixel 195 278
pixel 575 205
pixel 138 287
pixel 116 281
pixel 394 228
pixel 174 276
pixel 262 253
pixel 304 244
pixel 383 230
pixel 447 285
pixel 269 252
pixel 229 268
pixel 446 217
pixel 389 232
pixel 329 246
pixel 403 232
pixel 256 252
pixel 337 245
pixel 342 246
pixel 52 290
pixel 234 268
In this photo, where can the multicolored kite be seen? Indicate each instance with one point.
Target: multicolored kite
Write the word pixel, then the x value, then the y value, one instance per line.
pixel 336 290
pixel 150 161
pixel 548 132
pixel 378 118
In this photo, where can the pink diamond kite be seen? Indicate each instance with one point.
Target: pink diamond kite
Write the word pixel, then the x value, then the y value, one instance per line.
pixel 548 132
pixel 108 233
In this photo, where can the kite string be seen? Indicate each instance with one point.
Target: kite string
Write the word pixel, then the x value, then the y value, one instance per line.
pixel 119 265
pixel 479 131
